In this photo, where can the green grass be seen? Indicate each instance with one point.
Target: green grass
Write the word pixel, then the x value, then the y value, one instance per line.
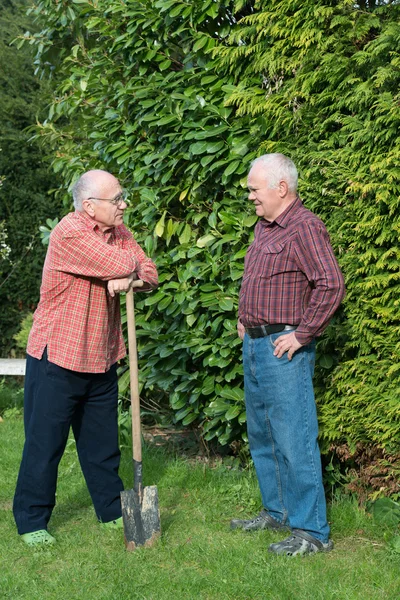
pixel 197 557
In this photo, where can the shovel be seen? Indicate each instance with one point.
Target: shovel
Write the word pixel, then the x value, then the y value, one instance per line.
pixel 140 512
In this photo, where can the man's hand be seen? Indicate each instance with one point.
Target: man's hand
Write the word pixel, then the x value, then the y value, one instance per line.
pixel 286 343
pixel 241 330
pixel 118 286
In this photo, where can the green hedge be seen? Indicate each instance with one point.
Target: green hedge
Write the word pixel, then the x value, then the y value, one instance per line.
pixel 177 98
pixel 330 96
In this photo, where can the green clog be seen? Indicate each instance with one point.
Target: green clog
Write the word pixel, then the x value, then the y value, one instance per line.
pixel 116 524
pixel 35 538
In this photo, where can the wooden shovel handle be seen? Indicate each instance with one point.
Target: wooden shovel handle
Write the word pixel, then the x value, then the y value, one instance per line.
pixel 134 378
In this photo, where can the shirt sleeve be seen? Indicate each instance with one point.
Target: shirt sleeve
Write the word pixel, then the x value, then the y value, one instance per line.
pixel 87 254
pixel 317 261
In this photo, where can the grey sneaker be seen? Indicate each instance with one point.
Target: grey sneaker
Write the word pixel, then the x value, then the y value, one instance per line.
pixel 300 543
pixel 261 521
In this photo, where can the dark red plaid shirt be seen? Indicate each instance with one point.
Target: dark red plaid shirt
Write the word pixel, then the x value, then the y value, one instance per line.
pixel 76 318
pixel 291 275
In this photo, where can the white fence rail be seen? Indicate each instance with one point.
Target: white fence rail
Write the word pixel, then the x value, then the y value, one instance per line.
pixel 12 366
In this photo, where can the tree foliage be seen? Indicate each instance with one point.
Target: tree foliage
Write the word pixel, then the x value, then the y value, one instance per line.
pixel 177 98
pixel 26 177
pixel 326 77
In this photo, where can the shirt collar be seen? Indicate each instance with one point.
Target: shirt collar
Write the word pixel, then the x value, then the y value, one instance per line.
pixel 92 224
pixel 283 219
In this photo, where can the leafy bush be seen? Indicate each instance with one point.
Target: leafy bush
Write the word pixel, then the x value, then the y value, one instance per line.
pixel 21 338
pixel 157 92
pixel 325 77
pixel 386 512
pixel 11 395
pixel 162 124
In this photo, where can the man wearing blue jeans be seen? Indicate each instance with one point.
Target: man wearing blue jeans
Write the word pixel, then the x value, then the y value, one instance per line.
pixel 291 287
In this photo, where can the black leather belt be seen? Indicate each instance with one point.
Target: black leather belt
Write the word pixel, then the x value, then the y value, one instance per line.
pixel 264 330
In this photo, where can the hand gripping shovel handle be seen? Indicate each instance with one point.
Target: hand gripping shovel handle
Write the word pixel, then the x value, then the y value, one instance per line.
pixel 135 402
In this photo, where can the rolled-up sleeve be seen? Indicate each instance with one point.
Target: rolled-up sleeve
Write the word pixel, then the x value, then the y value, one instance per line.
pixel 86 254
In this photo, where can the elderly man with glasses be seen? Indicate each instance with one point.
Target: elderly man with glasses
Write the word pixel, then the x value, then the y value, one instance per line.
pixel 72 354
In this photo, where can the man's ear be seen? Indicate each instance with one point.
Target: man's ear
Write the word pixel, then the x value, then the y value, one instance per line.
pixel 283 189
pixel 88 207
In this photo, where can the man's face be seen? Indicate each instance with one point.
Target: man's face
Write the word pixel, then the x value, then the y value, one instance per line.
pixel 106 214
pixel 269 203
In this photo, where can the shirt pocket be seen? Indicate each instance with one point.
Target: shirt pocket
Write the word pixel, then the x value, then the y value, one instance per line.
pixel 274 260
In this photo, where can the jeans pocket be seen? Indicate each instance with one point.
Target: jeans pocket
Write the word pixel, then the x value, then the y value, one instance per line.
pixel 274 336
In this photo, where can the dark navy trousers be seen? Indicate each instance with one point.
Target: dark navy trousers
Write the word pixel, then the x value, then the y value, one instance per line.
pixel 55 400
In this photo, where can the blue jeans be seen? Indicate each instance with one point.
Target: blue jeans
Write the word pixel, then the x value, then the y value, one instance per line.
pixel 55 400
pixel 283 429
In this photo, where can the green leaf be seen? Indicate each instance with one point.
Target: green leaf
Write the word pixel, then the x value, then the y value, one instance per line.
pixel 241 149
pixel 189 419
pixel 212 220
pixel 201 42
pixel 386 511
pixel 326 361
pixel 236 394
pixel 177 10
pixel 212 132
pixel 233 412
pixel 181 414
pixel 154 298
pixel 395 544
pixel 206 240
pixel 191 319
pixel 227 218
pixel 164 65
pixel 167 119
pixel 226 304
pixel 213 147
pixel 177 402
pixel 159 228
pixel 199 148
pixel 208 385
pixel 205 160
pixel 183 194
pixel 164 303
pixel 249 222
pixel 231 168
pixel 185 237
pixel 242 417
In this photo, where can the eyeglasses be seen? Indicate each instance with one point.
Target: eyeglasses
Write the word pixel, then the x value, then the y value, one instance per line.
pixel 117 201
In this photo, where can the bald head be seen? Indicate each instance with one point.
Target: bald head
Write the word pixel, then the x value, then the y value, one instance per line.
pixel 92 184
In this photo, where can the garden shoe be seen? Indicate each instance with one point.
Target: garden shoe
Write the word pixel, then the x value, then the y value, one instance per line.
pixel 37 538
pixel 300 543
pixel 115 524
pixel 261 521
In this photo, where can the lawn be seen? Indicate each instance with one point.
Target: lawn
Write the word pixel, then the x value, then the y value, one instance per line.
pixel 197 557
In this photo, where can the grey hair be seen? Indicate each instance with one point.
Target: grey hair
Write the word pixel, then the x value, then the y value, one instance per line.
pixel 278 167
pixel 81 190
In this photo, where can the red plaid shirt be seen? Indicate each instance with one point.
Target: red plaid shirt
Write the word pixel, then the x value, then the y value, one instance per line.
pixel 291 275
pixel 76 318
